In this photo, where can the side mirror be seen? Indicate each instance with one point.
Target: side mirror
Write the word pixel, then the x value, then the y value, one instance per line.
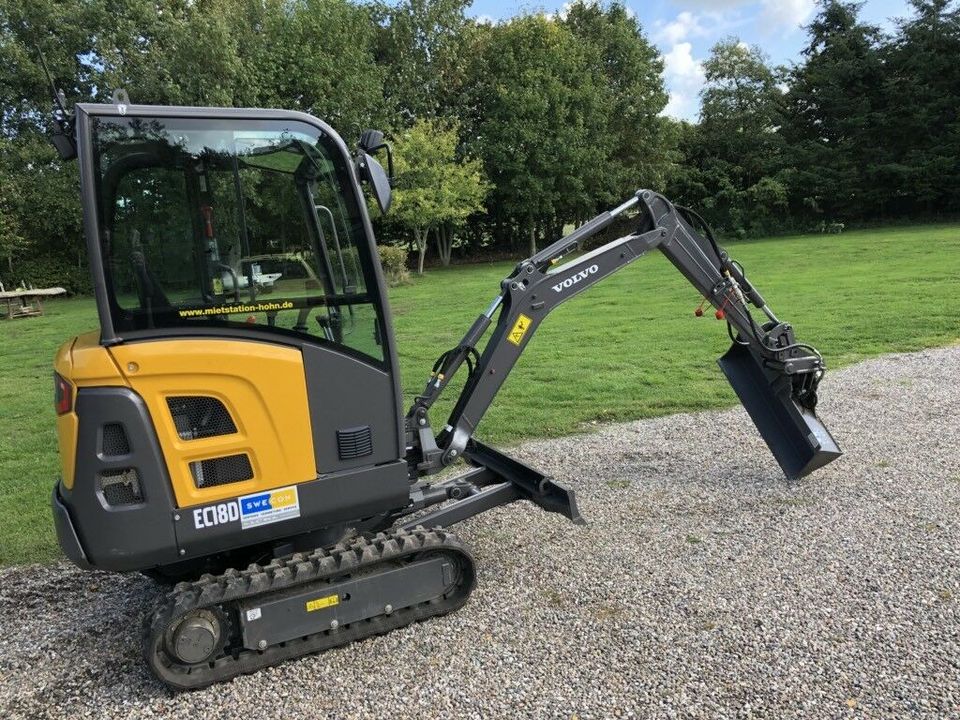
pixel 66 146
pixel 373 173
pixel 371 141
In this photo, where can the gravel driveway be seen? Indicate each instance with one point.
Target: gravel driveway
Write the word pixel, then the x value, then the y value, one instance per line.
pixel 704 586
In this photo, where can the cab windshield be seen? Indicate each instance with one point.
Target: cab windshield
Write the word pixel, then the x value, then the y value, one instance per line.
pixel 235 225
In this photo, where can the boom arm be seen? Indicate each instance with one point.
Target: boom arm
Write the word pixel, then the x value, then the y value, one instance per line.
pixel 775 377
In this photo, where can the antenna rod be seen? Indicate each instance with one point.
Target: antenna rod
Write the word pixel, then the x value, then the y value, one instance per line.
pixel 62 137
pixel 57 97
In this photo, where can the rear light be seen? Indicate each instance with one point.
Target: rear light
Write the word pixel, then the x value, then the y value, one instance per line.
pixel 62 395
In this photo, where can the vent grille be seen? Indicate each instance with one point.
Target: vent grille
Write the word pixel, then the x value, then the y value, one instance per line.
pixel 198 416
pixel 354 442
pixel 120 487
pixel 221 470
pixel 114 440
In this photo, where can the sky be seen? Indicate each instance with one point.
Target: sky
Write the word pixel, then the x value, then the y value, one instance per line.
pixel 685 30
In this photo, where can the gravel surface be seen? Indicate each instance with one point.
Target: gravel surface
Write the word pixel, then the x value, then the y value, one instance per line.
pixel 704 586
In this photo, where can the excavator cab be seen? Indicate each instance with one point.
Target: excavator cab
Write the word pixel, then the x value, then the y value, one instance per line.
pixel 245 347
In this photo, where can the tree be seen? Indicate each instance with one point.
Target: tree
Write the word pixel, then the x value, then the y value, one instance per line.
pixel 311 55
pixel 40 193
pixel 421 47
pixel 320 58
pixel 739 153
pixel 634 139
pixel 11 238
pixel 40 196
pixel 921 121
pixel 538 119
pixel 832 120
pixel 434 188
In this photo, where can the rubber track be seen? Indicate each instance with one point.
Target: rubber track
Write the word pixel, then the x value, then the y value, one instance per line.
pixel 226 591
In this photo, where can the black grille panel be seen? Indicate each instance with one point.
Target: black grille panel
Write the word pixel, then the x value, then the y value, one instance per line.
pixel 221 470
pixel 114 440
pixel 354 442
pixel 198 416
pixel 120 487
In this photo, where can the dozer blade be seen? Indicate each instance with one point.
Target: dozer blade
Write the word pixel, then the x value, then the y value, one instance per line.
pixel 796 437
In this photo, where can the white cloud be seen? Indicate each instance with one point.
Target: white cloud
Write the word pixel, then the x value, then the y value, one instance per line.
pixel 688 25
pixel 685 25
pixel 565 10
pixel 685 79
pixel 784 16
pixel 680 64
pixel 681 106
pixel 486 20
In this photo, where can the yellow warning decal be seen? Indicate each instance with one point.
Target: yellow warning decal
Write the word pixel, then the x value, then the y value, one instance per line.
pixel 324 602
pixel 520 328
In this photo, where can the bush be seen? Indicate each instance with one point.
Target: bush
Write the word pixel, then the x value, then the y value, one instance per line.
pixel 394 262
pixel 48 271
pixel 351 264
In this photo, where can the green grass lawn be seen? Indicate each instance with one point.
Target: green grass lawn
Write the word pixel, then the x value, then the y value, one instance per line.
pixel 628 348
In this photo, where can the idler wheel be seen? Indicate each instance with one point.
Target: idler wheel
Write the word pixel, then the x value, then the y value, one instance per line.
pixel 196 637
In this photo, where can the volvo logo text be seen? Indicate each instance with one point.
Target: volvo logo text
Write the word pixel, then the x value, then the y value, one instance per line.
pixel 574 279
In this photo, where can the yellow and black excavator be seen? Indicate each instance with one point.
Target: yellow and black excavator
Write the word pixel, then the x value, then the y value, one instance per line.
pixel 236 423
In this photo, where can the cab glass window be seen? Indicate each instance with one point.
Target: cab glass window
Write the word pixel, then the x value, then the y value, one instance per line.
pixel 233 224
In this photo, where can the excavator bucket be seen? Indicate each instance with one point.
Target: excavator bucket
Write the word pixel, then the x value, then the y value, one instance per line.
pixel 796 437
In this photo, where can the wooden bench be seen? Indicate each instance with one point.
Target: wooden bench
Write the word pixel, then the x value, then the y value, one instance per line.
pixel 27 301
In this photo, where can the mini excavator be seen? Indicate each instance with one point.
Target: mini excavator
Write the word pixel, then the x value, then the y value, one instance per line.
pixel 236 425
